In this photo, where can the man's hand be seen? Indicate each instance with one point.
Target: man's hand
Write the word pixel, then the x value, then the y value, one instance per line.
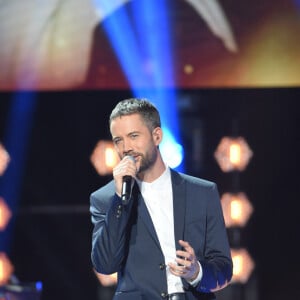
pixel 125 167
pixel 187 264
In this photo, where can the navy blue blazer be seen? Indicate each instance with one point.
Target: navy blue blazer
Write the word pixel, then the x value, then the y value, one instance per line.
pixel 125 241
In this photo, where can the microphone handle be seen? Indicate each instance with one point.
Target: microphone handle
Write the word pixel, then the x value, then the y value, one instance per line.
pixel 126 189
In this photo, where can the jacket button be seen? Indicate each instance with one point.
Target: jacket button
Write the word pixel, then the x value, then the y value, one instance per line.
pixel 162 266
pixel 119 210
pixel 164 295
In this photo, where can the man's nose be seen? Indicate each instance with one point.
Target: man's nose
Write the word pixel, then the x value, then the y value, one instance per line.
pixel 127 147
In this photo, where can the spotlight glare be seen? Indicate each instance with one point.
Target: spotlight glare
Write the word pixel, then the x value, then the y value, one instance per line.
pixel 243 265
pixel 5 214
pixel 104 157
pixel 6 269
pixel 110 157
pixel 4 159
pixel 171 151
pixel 39 286
pixel 173 154
pixel 233 154
pixel 148 62
pixel 237 209
pixel 238 265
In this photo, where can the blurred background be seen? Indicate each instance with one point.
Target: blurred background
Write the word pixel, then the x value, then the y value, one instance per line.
pixel 225 77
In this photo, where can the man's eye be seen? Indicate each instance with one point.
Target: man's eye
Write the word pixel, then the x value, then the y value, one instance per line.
pixel 134 136
pixel 117 141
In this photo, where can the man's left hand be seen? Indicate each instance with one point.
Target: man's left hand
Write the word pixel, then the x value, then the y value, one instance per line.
pixel 187 264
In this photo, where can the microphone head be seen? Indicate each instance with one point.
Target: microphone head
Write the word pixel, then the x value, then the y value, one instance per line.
pixel 130 157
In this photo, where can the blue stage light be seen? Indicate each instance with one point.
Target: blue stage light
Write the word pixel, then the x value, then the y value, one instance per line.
pixel 17 133
pixel 117 25
pixel 171 151
pixel 153 29
pixel 165 101
pixel 39 286
pixel 142 43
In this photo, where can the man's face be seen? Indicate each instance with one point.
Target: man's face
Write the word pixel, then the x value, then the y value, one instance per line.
pixel 132 137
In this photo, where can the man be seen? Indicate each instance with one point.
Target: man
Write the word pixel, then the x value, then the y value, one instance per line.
pixel 169 241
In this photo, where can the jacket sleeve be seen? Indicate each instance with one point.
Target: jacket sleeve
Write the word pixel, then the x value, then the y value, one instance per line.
pixel 110 219
pixel 216 262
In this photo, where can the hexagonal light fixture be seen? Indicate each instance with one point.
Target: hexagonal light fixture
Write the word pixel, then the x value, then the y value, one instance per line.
pixel 233 154
pixel 4 159
pixel 237 209
pixel 243 265
pixel 6 269
pixel 104 157
pixel 5 214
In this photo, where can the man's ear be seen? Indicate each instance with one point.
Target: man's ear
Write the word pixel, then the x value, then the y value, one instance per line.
pixel 157 135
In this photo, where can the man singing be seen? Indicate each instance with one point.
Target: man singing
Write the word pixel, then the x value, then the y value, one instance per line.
pixel 166 237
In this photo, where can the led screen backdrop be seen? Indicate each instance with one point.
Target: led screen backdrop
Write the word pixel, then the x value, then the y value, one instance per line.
pixel 64 44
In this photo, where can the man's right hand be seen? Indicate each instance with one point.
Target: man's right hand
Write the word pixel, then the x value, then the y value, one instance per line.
pixel 125 167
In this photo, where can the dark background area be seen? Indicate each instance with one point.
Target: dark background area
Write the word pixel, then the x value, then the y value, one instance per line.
pixel 51 228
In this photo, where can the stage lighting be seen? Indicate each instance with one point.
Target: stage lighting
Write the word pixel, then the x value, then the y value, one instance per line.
pixel 171 151
pixel 5 214
pixel 188 69
pixel 172 154
pixel 4 159
pixel 104 157
pixel 6 269
pixel 237 209
pixel 233 154
pixel 148 65
pixel 243 265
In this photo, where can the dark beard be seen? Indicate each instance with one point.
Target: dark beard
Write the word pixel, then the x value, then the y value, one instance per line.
pixel 147 162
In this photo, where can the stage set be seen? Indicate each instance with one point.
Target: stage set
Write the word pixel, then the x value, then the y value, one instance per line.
pixel 225 76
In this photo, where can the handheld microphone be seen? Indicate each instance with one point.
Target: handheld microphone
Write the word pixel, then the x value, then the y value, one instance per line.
pixel 127 186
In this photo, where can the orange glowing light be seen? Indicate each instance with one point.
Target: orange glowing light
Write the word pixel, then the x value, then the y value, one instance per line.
pixel 237 209
pixel 104 157
pixel 5 214
pixel 4 159
pixel 6 268
pixel 110 157
pixel 233 154
pixel 243 265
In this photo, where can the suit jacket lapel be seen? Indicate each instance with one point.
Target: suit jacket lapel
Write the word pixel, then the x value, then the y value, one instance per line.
pixel 144 215
pixel 179 207
pixel 178 187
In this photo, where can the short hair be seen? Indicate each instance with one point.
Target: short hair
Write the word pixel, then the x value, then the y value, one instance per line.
pixel 141 106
